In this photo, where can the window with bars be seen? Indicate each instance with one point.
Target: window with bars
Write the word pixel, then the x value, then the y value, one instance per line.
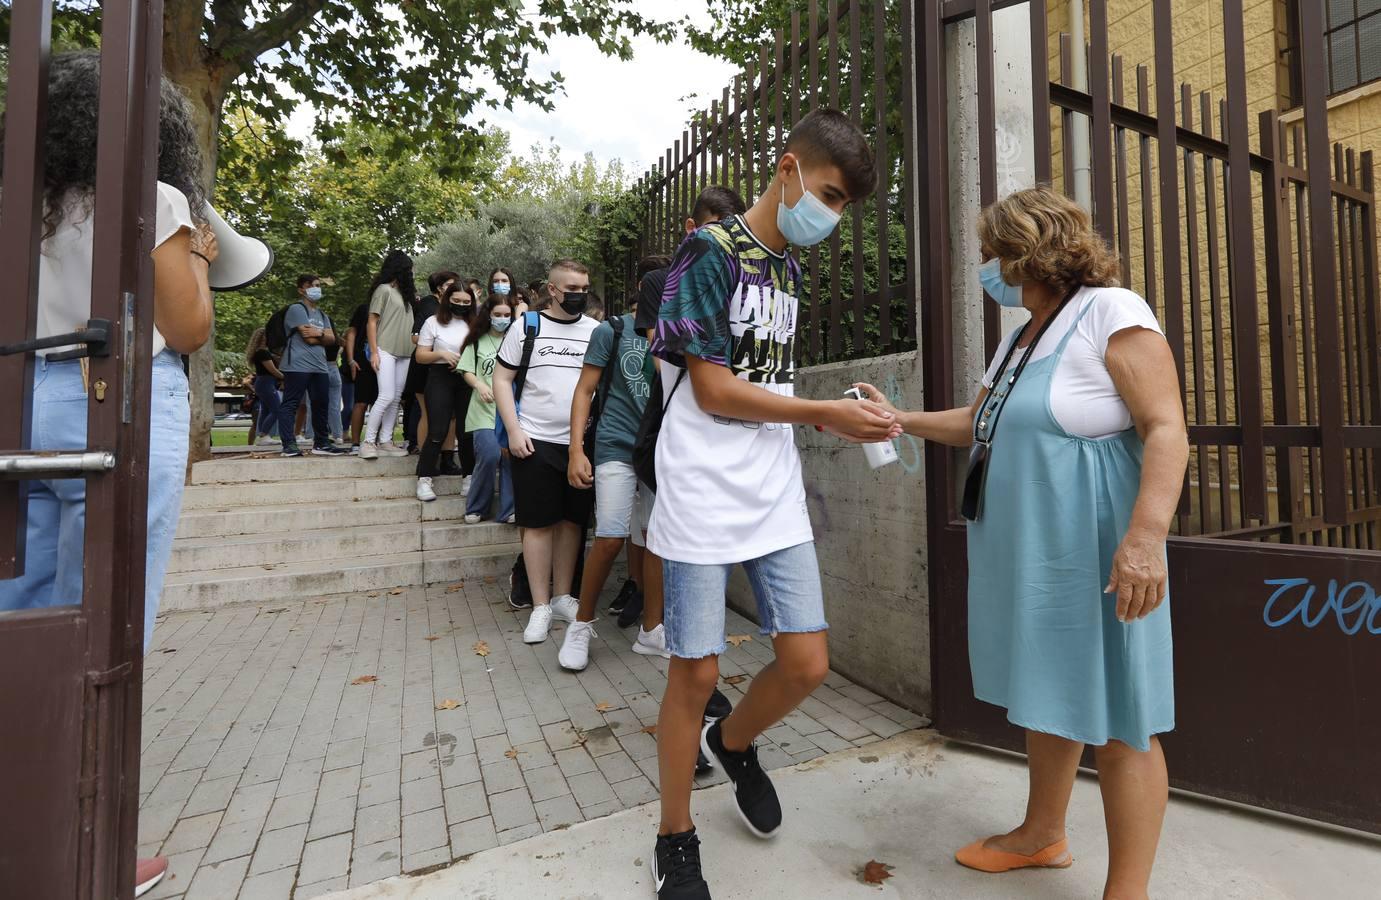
pixel 1352 45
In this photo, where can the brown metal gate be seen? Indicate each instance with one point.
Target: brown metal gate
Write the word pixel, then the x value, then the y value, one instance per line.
pixel 70 676
pixel 1256 244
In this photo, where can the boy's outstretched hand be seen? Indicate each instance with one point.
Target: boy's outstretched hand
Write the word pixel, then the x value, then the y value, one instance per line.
pixel 861 421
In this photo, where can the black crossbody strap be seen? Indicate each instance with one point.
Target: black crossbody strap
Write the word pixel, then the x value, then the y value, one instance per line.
pixel 997 403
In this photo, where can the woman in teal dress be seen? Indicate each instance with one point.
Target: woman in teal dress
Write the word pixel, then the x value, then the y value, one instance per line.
pixel 1081 421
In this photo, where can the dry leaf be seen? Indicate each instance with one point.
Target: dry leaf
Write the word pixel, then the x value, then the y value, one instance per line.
pixel 371 596
pixel 876 873
pixel 366 679
pixel 602 707
pixel 737 639
pixel 448 704
pixel 650 729
pixel 735 679
pixel 396 591
pixel 580 739
pixel 481 648
pixel 490 579
pixel 433 637
pixel 452 588
pixel 511 753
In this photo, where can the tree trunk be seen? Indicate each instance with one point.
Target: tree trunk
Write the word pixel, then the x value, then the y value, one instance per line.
pixel 204 79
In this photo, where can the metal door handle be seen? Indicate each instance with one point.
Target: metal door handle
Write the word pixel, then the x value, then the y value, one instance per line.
pixel 55 464
pixel 95 336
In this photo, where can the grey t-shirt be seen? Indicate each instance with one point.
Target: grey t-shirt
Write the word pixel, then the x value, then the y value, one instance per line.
pixel 301 356
pixel 628 391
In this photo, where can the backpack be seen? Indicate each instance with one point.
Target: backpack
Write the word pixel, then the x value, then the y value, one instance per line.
pixel 606 381
pixel 645 444
pixel 276 329
pixel 532 324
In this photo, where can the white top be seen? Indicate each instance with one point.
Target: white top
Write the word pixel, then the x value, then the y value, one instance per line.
pixel 1083 398
pixel 544 410
pixel 64 266
pixel 451 336
pixel 730 490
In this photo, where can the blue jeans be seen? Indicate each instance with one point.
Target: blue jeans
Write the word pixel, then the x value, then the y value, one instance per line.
pixel 266 395
pixel 56 528
pixel 786 586
pixel 295 386
pixel 488 463
pixel 333 402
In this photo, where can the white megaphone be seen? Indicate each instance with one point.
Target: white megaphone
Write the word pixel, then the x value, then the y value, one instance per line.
pixel 241 261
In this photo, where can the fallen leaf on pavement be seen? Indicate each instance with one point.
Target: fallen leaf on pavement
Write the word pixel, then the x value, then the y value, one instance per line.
pixel 580 739
pixel 875 872
pixel 737 639
pixel 448 704
pixel 433 637
pixel 481 648
pixel 490 579
pixel 396 591
pixel 649 729
pixel 371 596
pixel 511 753
pixel 602 707
pixel 366 679
pixel 735 679
pixel 452 588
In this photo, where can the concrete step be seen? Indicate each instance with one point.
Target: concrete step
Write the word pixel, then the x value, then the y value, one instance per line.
pixel 309 491
pixel 269 583
pixel 284 545
pixel 243 470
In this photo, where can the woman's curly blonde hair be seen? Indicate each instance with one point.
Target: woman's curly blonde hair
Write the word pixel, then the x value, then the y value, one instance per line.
pixel 1041 235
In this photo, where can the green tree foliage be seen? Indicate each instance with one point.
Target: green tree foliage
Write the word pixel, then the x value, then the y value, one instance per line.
pixel 737 28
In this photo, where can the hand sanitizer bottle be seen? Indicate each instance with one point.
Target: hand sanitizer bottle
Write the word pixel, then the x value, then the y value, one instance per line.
pixel 881 453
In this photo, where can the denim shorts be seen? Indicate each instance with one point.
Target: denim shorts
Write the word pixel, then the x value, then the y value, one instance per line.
pixel 786 586
pixel 615 487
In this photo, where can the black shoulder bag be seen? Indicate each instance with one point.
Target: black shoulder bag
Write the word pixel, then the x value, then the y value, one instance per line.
pixel 985 427
pixel 645 444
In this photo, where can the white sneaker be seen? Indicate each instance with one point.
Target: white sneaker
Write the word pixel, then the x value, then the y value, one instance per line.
pixel 388 448
pixel 465 486
pixel 472 518
pixel 511 520
pixel 424 489
pixel 652 643
pixel 265 439
pixel 575 649
pixel 565 607
pixel 369 451
pixel 538 624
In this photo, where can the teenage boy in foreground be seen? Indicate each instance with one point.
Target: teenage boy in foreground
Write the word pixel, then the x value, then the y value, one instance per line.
pixel 729 478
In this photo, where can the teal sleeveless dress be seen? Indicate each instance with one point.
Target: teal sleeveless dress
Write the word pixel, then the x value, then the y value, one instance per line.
pixel 1044 640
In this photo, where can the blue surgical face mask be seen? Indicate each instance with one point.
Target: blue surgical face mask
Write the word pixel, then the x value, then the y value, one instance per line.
pixel 314 294
pixel 990 276
pixel 807 223
pixel 501 288
pixel 500 324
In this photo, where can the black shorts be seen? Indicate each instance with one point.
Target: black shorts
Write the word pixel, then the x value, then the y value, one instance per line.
pixel 366 385
pixel 416 380
pixel 542 495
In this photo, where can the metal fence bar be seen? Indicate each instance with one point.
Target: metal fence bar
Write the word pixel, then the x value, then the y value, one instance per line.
pixel 1124 238
pixel 1101 144
pixel 987 150
pixel 910 201
pixel 836 341
pixel 764 170
pixel 1215 312
pixel 1040 92
pixel 814 85
pixel 884 183
pixel 1148 208
pixel 856 114
pixel 1196 412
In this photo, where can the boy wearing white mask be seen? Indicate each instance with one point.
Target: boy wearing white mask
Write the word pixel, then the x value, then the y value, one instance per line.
pixel 729 478
pixel 306 371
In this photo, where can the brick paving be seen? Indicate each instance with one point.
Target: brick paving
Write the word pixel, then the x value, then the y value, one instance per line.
pixel 267 773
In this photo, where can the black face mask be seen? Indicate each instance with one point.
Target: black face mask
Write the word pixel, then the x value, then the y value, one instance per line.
pixel 573 303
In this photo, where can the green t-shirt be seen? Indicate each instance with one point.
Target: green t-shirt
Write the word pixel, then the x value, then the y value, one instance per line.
pixel 481 365
pixel 628 390
pixel 394 332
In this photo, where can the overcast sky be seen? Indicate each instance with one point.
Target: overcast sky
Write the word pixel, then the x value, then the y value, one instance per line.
pixel 618 110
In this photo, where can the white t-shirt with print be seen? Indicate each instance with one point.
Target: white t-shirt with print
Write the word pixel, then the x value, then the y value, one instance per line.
pixel 544 409
pixel 1083 398
pixel 435 336
pixel 64 266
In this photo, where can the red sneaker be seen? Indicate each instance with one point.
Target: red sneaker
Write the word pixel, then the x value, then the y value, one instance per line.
pixel 147 873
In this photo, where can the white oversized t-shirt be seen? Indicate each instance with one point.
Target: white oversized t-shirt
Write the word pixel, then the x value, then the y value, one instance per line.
pixel 1083 398
pixel 435 336
pixel 544 409
pixel 64 266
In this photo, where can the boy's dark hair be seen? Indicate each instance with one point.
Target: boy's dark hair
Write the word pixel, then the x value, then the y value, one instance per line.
pixel 304 279
pixel 717 203
pixel 437 279
pixel 594 304
pixel 826 135
pixel 652 264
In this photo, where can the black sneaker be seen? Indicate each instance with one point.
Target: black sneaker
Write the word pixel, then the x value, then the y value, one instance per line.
pixel 753 792
pixel 292 450
pixel 702 763
pixel 676 868
pixel 632 610
pixel 625 592
pixel 519 593
pixel 718 707
pixel 330 450
pixel 449 466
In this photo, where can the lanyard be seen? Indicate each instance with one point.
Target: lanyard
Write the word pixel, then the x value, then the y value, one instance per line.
pixel 986 426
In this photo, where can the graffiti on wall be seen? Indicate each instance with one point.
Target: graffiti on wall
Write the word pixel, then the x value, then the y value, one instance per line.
pixel 1350 607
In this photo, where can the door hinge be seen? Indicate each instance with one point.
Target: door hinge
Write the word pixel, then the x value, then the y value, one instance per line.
pixel 109 676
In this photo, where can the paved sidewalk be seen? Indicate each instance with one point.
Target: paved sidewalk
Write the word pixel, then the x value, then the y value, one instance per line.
pixel 268 773
pixel 910 802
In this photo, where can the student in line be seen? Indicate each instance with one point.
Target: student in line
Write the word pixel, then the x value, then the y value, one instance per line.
pixel 266 381
pixel 414 390
pixel 729 478
pixel 306 369
pixel 390 349
pixel 550 511
pixel 477 360
pixel 366 382
pixel 448 395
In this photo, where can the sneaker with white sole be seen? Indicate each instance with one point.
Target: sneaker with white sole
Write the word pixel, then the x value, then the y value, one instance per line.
pixel 565 607
pixel 652 643
pixel 425 491
pixel 575 649
pixel 369 451
pixel 388 448
pixel 148 872
pixel 538 624
pixel 465 486
pixel 754 794
pixel 472 518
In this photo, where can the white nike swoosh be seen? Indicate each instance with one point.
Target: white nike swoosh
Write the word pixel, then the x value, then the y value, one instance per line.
pixel 661 879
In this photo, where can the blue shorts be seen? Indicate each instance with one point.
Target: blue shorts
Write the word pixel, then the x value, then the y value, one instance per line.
pixel 786 586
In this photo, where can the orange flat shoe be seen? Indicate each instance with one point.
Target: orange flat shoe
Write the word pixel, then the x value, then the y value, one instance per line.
pixel 985 859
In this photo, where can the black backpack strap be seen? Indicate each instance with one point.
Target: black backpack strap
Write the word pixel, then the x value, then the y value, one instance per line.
pixel 532 323
pixel 606 382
